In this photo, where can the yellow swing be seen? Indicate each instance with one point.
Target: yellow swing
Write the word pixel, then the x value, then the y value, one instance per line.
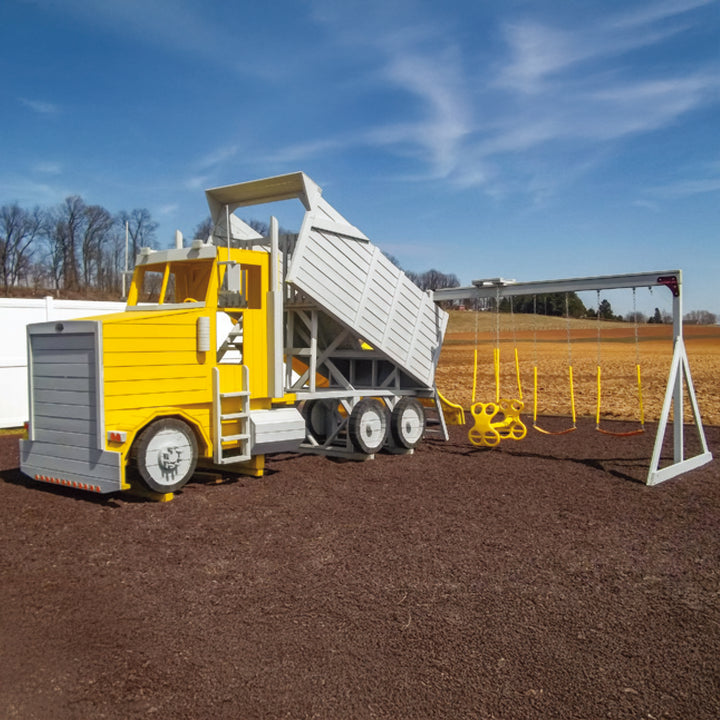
pixel 573 427
pixel 487 431
pixel 641 411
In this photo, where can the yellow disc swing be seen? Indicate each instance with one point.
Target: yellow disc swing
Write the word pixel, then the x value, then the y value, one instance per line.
pixel 641 411
pixel 487 431
pixel 537 427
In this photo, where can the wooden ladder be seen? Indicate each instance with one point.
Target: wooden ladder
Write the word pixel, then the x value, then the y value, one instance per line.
pixel 240 452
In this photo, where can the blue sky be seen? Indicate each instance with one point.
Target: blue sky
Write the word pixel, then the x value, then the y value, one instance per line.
pixel 523 139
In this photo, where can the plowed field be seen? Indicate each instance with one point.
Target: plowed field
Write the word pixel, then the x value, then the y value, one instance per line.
pixel 543 343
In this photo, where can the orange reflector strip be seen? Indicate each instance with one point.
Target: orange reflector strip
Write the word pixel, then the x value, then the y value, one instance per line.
pixel 69 483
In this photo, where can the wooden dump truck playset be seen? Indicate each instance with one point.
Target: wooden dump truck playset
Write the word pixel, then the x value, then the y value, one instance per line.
pixel 251 346
pixel 243 345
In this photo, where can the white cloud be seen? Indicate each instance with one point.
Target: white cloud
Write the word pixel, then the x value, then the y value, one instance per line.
pixel 685 188
pixel 446 118
pixel 168 209
pixel 41 107
pixel 48 168
pixel 29 192
pixel 657 11
pixel 218 156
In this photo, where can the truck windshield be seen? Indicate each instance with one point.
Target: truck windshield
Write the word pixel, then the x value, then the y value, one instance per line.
pixel 171 283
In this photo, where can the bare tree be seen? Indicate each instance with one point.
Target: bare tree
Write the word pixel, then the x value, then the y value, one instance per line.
pixel 141 230
pixel 97 225
pixel 434 280
pixel 19 230
pixel 700 317
pixel 63 232
pixel 636 317
pixel 111 263
pixel 204 229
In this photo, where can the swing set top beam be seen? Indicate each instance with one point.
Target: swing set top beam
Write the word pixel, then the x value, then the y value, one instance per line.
pixel 499 287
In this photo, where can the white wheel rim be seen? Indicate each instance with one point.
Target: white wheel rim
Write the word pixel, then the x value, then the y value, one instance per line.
pixel 372 428
pixel 168 456
pixel 412 424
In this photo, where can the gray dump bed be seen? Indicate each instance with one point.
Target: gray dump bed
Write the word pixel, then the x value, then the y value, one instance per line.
pixel 335 266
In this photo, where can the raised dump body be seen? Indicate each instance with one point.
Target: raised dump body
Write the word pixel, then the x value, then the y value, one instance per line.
pixel 335 268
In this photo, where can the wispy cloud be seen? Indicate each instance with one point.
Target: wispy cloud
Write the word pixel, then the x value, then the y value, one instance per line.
pixel 655 12
pixel 555 88
pixel 168 209
pixel 436 81
pixel 686 188
pixel 47 167
pixel 29 192
pixel 41 107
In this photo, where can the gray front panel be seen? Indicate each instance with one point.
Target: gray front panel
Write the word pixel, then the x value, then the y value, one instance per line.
pixel 66 427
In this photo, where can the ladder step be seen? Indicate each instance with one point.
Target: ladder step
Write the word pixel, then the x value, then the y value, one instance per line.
pixel 228 460
pixel 239 393
pixel 234 438
pixel 233 416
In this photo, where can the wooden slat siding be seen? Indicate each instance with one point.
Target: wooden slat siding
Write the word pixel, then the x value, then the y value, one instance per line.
pixel 70 342
pixel 67 437
pixel 341 292
pixel 338 254
pixel 53 422
pixel 58 360
pixel 152 332
pixel 158 344
pixel 71 412
pixel 150 365
pixel 356 284
pixel 172 397
pixel 64 396
pixel 44 369
pixel 132 359
pixel 140 373
pixel 144 385
pixel 127 418
pixel 64 410
pixel 84 384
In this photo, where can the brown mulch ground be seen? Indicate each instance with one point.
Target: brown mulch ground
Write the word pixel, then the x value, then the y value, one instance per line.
pixel 537 580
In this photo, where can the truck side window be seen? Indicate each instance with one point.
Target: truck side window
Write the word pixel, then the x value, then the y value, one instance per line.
pixel 241 287
pixel 152 281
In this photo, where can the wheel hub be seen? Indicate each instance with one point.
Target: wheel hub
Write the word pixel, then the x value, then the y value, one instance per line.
pixel 169 459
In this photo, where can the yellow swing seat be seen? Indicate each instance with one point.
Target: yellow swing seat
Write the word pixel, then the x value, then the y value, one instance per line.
pixel 486 433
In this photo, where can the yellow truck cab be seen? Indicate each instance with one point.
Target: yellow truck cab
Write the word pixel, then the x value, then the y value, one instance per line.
pixel 235 347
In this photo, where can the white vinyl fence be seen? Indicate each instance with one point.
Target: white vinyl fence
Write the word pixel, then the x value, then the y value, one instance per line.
pixel 15 315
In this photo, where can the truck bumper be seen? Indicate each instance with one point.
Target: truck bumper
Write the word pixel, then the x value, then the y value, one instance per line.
pixel 90 469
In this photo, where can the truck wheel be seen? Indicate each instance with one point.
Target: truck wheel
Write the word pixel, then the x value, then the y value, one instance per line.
pixel 368 426
pixel 321 418
pixel 407 422
pixel 166 454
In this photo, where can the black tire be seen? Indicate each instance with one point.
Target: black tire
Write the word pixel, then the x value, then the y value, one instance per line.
pixel 166 454
pixel 368 426
pixel 407 423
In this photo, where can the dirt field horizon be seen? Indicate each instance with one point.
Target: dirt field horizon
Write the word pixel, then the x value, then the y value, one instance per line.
pixel 542 342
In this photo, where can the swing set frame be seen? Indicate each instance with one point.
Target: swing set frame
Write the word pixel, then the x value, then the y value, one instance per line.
pixel 679 376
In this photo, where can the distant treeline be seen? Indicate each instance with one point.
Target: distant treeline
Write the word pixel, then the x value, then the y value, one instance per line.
pixel 79 249
pixel 72 247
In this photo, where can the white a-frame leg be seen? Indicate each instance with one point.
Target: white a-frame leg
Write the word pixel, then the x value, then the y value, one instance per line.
pixel 679 371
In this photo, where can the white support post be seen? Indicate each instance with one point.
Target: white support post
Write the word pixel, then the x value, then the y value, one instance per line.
pixel 276 387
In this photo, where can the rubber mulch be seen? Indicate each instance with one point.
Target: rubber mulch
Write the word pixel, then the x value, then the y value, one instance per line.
pixel 541 579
